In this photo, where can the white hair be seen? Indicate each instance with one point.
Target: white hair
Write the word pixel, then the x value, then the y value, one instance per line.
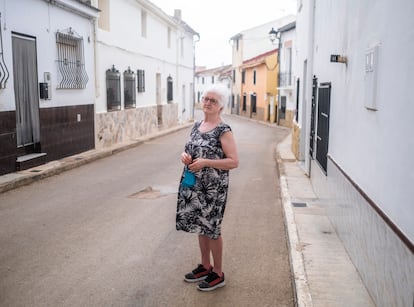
pixel 221 91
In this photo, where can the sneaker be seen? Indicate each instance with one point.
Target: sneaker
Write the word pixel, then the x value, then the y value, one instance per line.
pixel 212 282
pixel 198 274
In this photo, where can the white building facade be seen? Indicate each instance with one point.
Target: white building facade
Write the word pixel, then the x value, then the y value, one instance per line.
pixel 145 70
pixel 287 75
pixel 47 88
pixel 354 132
pixel 205 78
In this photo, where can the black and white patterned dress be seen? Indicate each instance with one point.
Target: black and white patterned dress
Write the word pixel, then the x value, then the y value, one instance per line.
pixel 200 208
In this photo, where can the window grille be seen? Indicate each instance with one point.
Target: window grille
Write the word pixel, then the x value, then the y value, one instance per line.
pixel 169 89
pixel 244 103
pixel 141 80
pixel 113 89
pixel 129 88
pixel 243 76
pixel 71 61
pixel 254 77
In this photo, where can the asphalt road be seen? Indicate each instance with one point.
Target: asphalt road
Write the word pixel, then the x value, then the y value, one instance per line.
pixel 104 234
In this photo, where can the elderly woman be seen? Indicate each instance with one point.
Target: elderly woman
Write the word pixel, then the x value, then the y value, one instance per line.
pixel 208 156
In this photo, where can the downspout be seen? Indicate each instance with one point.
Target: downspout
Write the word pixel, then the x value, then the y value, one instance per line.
pixel 310 72
pixel 96 78
pixel 194 72
pixel 279 49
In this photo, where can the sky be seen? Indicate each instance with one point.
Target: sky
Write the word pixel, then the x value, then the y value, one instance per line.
pixel 218 20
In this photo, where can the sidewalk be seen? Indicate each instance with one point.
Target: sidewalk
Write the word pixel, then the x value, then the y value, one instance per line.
pixel 324 274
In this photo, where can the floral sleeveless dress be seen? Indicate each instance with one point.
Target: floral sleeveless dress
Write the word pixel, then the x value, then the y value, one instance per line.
pixel 200 208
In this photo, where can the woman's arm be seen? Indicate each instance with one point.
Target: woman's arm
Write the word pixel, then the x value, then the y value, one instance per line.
pixel 230 161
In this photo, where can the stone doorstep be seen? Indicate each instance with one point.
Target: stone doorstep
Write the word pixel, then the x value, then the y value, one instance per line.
pixel 30 157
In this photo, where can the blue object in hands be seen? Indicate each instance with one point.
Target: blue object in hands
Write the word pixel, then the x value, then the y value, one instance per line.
pixel 189 179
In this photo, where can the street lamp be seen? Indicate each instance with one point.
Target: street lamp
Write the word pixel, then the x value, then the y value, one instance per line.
pixel 273 35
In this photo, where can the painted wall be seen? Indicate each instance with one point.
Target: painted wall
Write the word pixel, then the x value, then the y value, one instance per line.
pixel 138 35
pixel 42 23
pixel 367 189
pixel 374 147
pixel 66 119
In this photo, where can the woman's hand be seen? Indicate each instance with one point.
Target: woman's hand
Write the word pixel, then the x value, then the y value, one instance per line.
pixel 186 158
pixel 198 164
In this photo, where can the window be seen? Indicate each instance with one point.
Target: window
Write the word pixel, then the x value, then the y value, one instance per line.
pixel 243 76
pixel 182 47
pixel 103 20
pixel 232 101
pixel 129 88
pixel 113 89
pixel 212 79
pixel 234 76
pixel 143 23
pixel 202 80
pixel 282 107
pixel 141 80
pixel 244 102
pixel 288 66
pixel 71 64
pixel 254 77
pixel 169 89
pixel 169 37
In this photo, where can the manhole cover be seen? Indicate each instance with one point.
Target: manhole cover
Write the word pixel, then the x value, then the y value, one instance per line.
pixel 299 204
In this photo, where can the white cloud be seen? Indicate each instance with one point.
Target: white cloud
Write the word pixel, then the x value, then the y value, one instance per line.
pixel 218 20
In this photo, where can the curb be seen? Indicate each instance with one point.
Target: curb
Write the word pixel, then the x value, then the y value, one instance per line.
pixel 302 292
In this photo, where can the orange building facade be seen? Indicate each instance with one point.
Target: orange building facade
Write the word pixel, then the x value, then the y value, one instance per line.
pixel 259 87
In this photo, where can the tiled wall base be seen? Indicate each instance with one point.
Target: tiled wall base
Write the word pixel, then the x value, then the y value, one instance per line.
pixel 385 263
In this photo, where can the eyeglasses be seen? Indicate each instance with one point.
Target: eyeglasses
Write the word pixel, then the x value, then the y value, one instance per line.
pixel 207 99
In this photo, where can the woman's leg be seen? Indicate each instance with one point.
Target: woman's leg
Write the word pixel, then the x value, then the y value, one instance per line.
pixel 204 243
pixel 216 247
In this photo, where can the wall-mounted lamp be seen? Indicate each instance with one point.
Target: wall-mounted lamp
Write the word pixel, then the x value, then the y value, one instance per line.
pixel 336 58
pixel 273 35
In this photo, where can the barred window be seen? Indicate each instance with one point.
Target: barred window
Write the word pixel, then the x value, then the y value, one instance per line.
pixel 71 61
pixel 129 88
pixel 113 89
pixel 141 80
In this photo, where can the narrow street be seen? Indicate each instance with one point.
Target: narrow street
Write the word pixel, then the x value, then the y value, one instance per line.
pixel 104 234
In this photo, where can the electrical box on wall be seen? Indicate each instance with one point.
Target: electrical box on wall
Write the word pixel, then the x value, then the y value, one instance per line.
pixel 370 78
pixel 44 90
pixel 47 77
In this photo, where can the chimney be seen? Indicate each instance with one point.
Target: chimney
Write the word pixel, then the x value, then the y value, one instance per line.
pixel 177 14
